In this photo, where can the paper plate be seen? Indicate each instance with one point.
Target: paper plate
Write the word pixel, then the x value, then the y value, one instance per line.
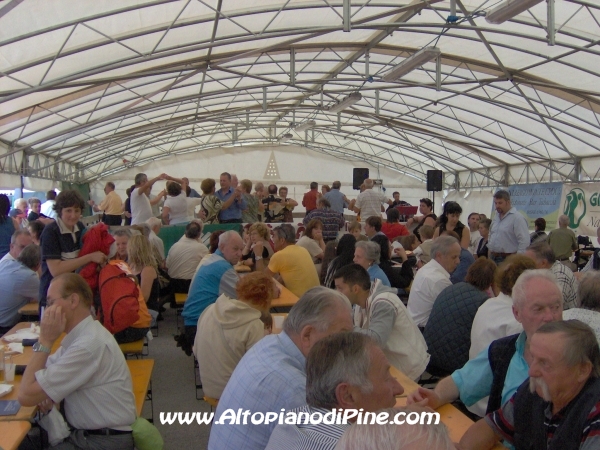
pixel 20 336
pixel 35 330
pixel 5 389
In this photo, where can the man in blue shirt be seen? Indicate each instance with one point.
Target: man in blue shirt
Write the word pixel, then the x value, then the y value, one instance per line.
pixel 537 300
pixel 19 284
pixel 272 375
pixel 509 232
pixel 233 212
pixel 337 200
pixel 215 277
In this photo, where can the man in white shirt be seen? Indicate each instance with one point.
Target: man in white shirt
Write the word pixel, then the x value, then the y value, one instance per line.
pixel 184 256
pixel 368 203
pixel 381 315
pixel 47 207
pixel 141 206
pixel 433 278
pixel 155 225
pixel 88 371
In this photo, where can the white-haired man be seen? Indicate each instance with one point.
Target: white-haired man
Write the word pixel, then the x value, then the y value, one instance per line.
pixel 368 202
pixel 155 225
pixel 433 278
pixel 272 374
pixel 500 369
pixel 343 371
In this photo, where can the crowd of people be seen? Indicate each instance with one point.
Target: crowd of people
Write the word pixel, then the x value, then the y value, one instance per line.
pixel 479 305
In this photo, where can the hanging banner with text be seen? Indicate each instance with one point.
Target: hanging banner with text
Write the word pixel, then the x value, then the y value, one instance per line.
pixel 581 203
pixel 537 200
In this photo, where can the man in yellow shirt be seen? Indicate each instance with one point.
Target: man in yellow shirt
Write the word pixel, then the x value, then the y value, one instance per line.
pixel 112 205
pixel 293 263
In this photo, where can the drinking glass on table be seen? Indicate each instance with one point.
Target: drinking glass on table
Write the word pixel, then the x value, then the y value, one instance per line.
pixel 9 368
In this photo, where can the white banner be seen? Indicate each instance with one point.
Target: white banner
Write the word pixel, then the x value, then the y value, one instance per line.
pixel 581 203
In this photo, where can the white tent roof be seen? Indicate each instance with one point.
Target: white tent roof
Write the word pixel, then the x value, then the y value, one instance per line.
pixel 91 88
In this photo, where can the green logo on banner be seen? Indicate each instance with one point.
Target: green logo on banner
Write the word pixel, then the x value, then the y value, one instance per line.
pixel 575 207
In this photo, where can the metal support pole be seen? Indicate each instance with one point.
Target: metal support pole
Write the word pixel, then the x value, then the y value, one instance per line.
pixel 576 169
pixel 247 119
pixel 438 73
pixel 377 102
pixel 551 23
pixel 367 64
pixel 264 99
pixel 346 15
pixel 339 121
pixel 292 66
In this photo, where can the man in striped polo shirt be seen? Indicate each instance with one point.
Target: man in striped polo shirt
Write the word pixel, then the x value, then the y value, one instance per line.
pixel 343 371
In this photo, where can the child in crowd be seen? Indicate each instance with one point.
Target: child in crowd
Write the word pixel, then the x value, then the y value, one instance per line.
pixel 423 251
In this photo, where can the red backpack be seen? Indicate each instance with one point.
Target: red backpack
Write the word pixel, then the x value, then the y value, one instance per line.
pixel 119 295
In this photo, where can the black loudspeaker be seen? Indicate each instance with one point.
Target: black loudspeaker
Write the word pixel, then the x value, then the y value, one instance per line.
pixel 435 180
pixel 358 177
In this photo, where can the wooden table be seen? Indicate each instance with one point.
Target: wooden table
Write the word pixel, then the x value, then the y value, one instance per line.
pixel 30 309
pixel 242 268
pixel 12 433
pixel 455 420
pixel 286 297
pixel 25 412
pixel 142 371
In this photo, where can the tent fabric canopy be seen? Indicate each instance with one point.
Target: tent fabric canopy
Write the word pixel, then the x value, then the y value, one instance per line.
pixel 89 89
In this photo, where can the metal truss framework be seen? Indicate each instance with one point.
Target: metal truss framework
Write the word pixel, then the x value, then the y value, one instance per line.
pixel 86 94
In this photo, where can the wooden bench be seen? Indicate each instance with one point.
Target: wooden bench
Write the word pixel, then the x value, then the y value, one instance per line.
pixel 213 402
pixel 141 377
pixel 12 433
pixel 135 348
pixel 180 299
pixel 197 380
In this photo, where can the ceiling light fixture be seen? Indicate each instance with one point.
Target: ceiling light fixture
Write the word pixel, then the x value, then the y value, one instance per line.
pixel 412 62
pixel 305 126
pixel 286 137
pixel 509 9
pixel 346 103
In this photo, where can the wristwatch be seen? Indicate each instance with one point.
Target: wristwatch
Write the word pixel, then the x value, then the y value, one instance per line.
pixel 258 258
pixel 37 347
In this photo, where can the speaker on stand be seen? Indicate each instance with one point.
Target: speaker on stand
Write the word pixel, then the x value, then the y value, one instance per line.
pixel 358 177
pixel 435 183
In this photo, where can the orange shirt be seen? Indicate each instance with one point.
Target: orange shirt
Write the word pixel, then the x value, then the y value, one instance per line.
pixel 393 230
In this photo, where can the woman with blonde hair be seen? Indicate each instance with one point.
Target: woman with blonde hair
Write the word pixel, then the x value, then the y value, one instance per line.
pixel 228 328
pixel 258 241
pixel 143 265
